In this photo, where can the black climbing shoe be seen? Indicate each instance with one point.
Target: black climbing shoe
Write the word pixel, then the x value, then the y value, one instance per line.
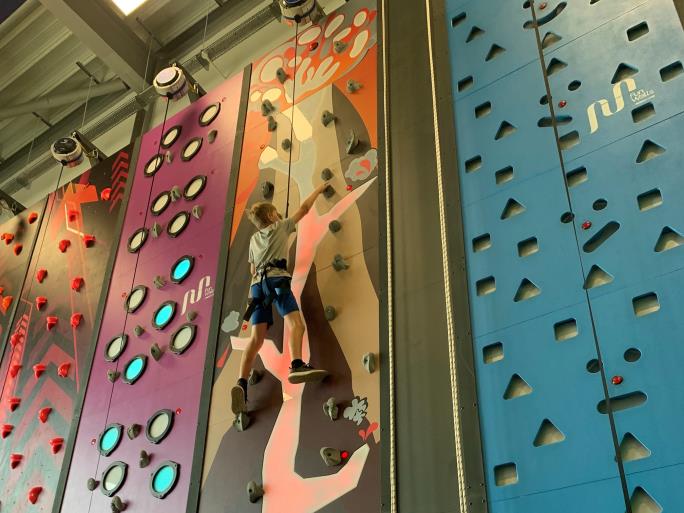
pixel 238 400
pixel 306 374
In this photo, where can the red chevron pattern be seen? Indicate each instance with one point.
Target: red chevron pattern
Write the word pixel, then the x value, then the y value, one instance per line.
pixel 119 177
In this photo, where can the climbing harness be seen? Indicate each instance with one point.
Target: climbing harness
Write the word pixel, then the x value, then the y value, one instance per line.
pixel 269 294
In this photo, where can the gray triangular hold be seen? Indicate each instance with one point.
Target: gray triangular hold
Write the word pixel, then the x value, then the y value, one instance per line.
pixel 642 502
pixel 555 65
pixel 649 150
pixel 512 208
pixel 527 290
pixel 622 72
pixel 494 52
pixel 475 32
pixel 669 239
pixel 596 278
pixel 517 387
pixel 548 434
pixel 505 129
pixel 631 449
pixel 551 38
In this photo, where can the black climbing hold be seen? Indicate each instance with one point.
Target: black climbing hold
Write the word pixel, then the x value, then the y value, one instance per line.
pixel 113 375
pixel 326 174
pixel 327 117
pixel 369 362
pixel 329 192
pixel 330 313
pixel 286 144
pixel 335 226
pixel 144 459
pixel 353 86
pixel 339 264
pixel 241 421
pixel 254 491
pixel 281 75
pixel 272 124
pixel 139 330
pixel 267 189
pixel 266 108
pixel 352 142
pixel 331 457
pixel 133 431
pixel 254 377
pixel 331 409
pixel 92 484
pixel 156 351
pixel 212 136
pixel 340 46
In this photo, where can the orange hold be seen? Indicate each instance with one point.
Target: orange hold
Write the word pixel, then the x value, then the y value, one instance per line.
pixel 56 444
pixel 38 369
pixel 6 303
pixel 33 217
pixel 41 274
pixel 76 320
pixel 44 413
pixel 8 238
pixel 51 322
pixel 34 493
pixel 106 194
pixel 63 370
pixel 89 240
pixel 64 244
pixel 41 301
pixel 15 459
pixel 72 215
pixel 14 370
pixel 76 283
pixel 6 430
pixel 14 403
pixel 18 249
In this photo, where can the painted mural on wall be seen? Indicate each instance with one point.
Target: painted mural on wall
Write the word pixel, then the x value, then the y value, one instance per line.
pixel 136 438
pixel 331 71
pixel 45 365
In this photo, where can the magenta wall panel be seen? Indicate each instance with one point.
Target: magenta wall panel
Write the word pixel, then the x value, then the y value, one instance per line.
pixel 175 381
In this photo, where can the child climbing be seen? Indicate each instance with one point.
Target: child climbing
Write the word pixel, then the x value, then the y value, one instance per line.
pixel 268 250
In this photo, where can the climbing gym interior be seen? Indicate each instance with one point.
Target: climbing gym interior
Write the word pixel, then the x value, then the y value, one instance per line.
pixel 341 256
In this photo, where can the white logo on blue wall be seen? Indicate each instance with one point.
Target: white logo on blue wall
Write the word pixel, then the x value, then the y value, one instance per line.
pixel 636 95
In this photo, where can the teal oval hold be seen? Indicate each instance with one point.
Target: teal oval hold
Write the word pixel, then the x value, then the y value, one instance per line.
pixel 110 439
pixel 181 269
pixel 163 315
pixel 134 369
pixel 164 479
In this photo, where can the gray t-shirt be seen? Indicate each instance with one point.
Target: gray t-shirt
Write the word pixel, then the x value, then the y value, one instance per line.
pixel 269 244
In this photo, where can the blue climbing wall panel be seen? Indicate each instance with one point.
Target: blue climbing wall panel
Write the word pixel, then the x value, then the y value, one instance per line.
pixel 562 268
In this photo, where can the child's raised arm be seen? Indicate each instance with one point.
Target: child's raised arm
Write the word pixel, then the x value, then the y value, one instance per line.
pixel 308 203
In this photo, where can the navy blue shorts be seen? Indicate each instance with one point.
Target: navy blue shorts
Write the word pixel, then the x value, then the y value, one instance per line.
pixel 285 301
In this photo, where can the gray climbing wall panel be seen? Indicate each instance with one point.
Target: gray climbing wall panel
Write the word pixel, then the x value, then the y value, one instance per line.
pixel 574 280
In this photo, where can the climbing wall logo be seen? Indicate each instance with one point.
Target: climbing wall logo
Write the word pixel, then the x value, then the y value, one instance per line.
pixel 204 291
pixel 637 96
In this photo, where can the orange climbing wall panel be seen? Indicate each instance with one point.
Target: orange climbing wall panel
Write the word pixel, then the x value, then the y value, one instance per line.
pixel 281 447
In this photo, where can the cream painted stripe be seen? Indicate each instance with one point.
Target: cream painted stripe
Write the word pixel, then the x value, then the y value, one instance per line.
pixel 447 280
pixel 390 301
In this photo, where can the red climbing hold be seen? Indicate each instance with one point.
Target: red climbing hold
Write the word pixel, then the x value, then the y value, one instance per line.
pixel 34 493
pixel 76 283
pixel 6 430
pixel 89 240
pixel 15 340
pixel 14 403
pixel 313 45
pixel 350 187
pixel 51 322
pixel 63 370
pixel 562 103
pixel 44 413
pixel 41 275
pixel 6 303
pixel 76 320
pixel 106 194
pixel 18 248
pixel 72 214
pixel 56 444
pixel 15 459
pixel 14 370
pixel 244 327
pixel 344 454
pixel 8 238
pixel 41 301
pixel 586 225
pixel 64 244
pixel 33 216
pixel 38 369
pixel 2 290
pixel 617 380
pixel 542 6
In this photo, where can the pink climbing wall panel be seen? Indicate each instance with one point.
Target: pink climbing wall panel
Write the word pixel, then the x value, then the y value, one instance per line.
pixel 174 381
pixel 289 427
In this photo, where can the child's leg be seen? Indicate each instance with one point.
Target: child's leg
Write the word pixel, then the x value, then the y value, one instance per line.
pixel 252 349
pixel 295 326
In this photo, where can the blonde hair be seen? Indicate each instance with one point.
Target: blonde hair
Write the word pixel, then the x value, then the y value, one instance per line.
pixel 260 212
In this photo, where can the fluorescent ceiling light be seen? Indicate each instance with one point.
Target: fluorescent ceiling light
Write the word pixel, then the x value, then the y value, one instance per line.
pixel 128 6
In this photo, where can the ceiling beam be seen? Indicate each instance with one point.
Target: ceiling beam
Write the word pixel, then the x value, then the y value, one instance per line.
pixel 101 30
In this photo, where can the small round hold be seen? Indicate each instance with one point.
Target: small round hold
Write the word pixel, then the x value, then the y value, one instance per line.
pixel 562 103
pixel 586 225
pixel 327 117
pixel 254 491
pixel 350 187
pixel 330 313
pixel 272 124
pixel 543 5
pixel 212 136
pixel 113 375
pixel 331 457
pixel 156 351
pixel 92 484
pixel 353 86
pixel 340 46
pixel 326 174
pixel 191 315
pixel 266 108
pixel 617 380
pixel 335 226
pixel 281 75
pixel 267 189
pixel 286 144
pixel 313 45
pixel 144 459
pixel 329 192
pixel 139 330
